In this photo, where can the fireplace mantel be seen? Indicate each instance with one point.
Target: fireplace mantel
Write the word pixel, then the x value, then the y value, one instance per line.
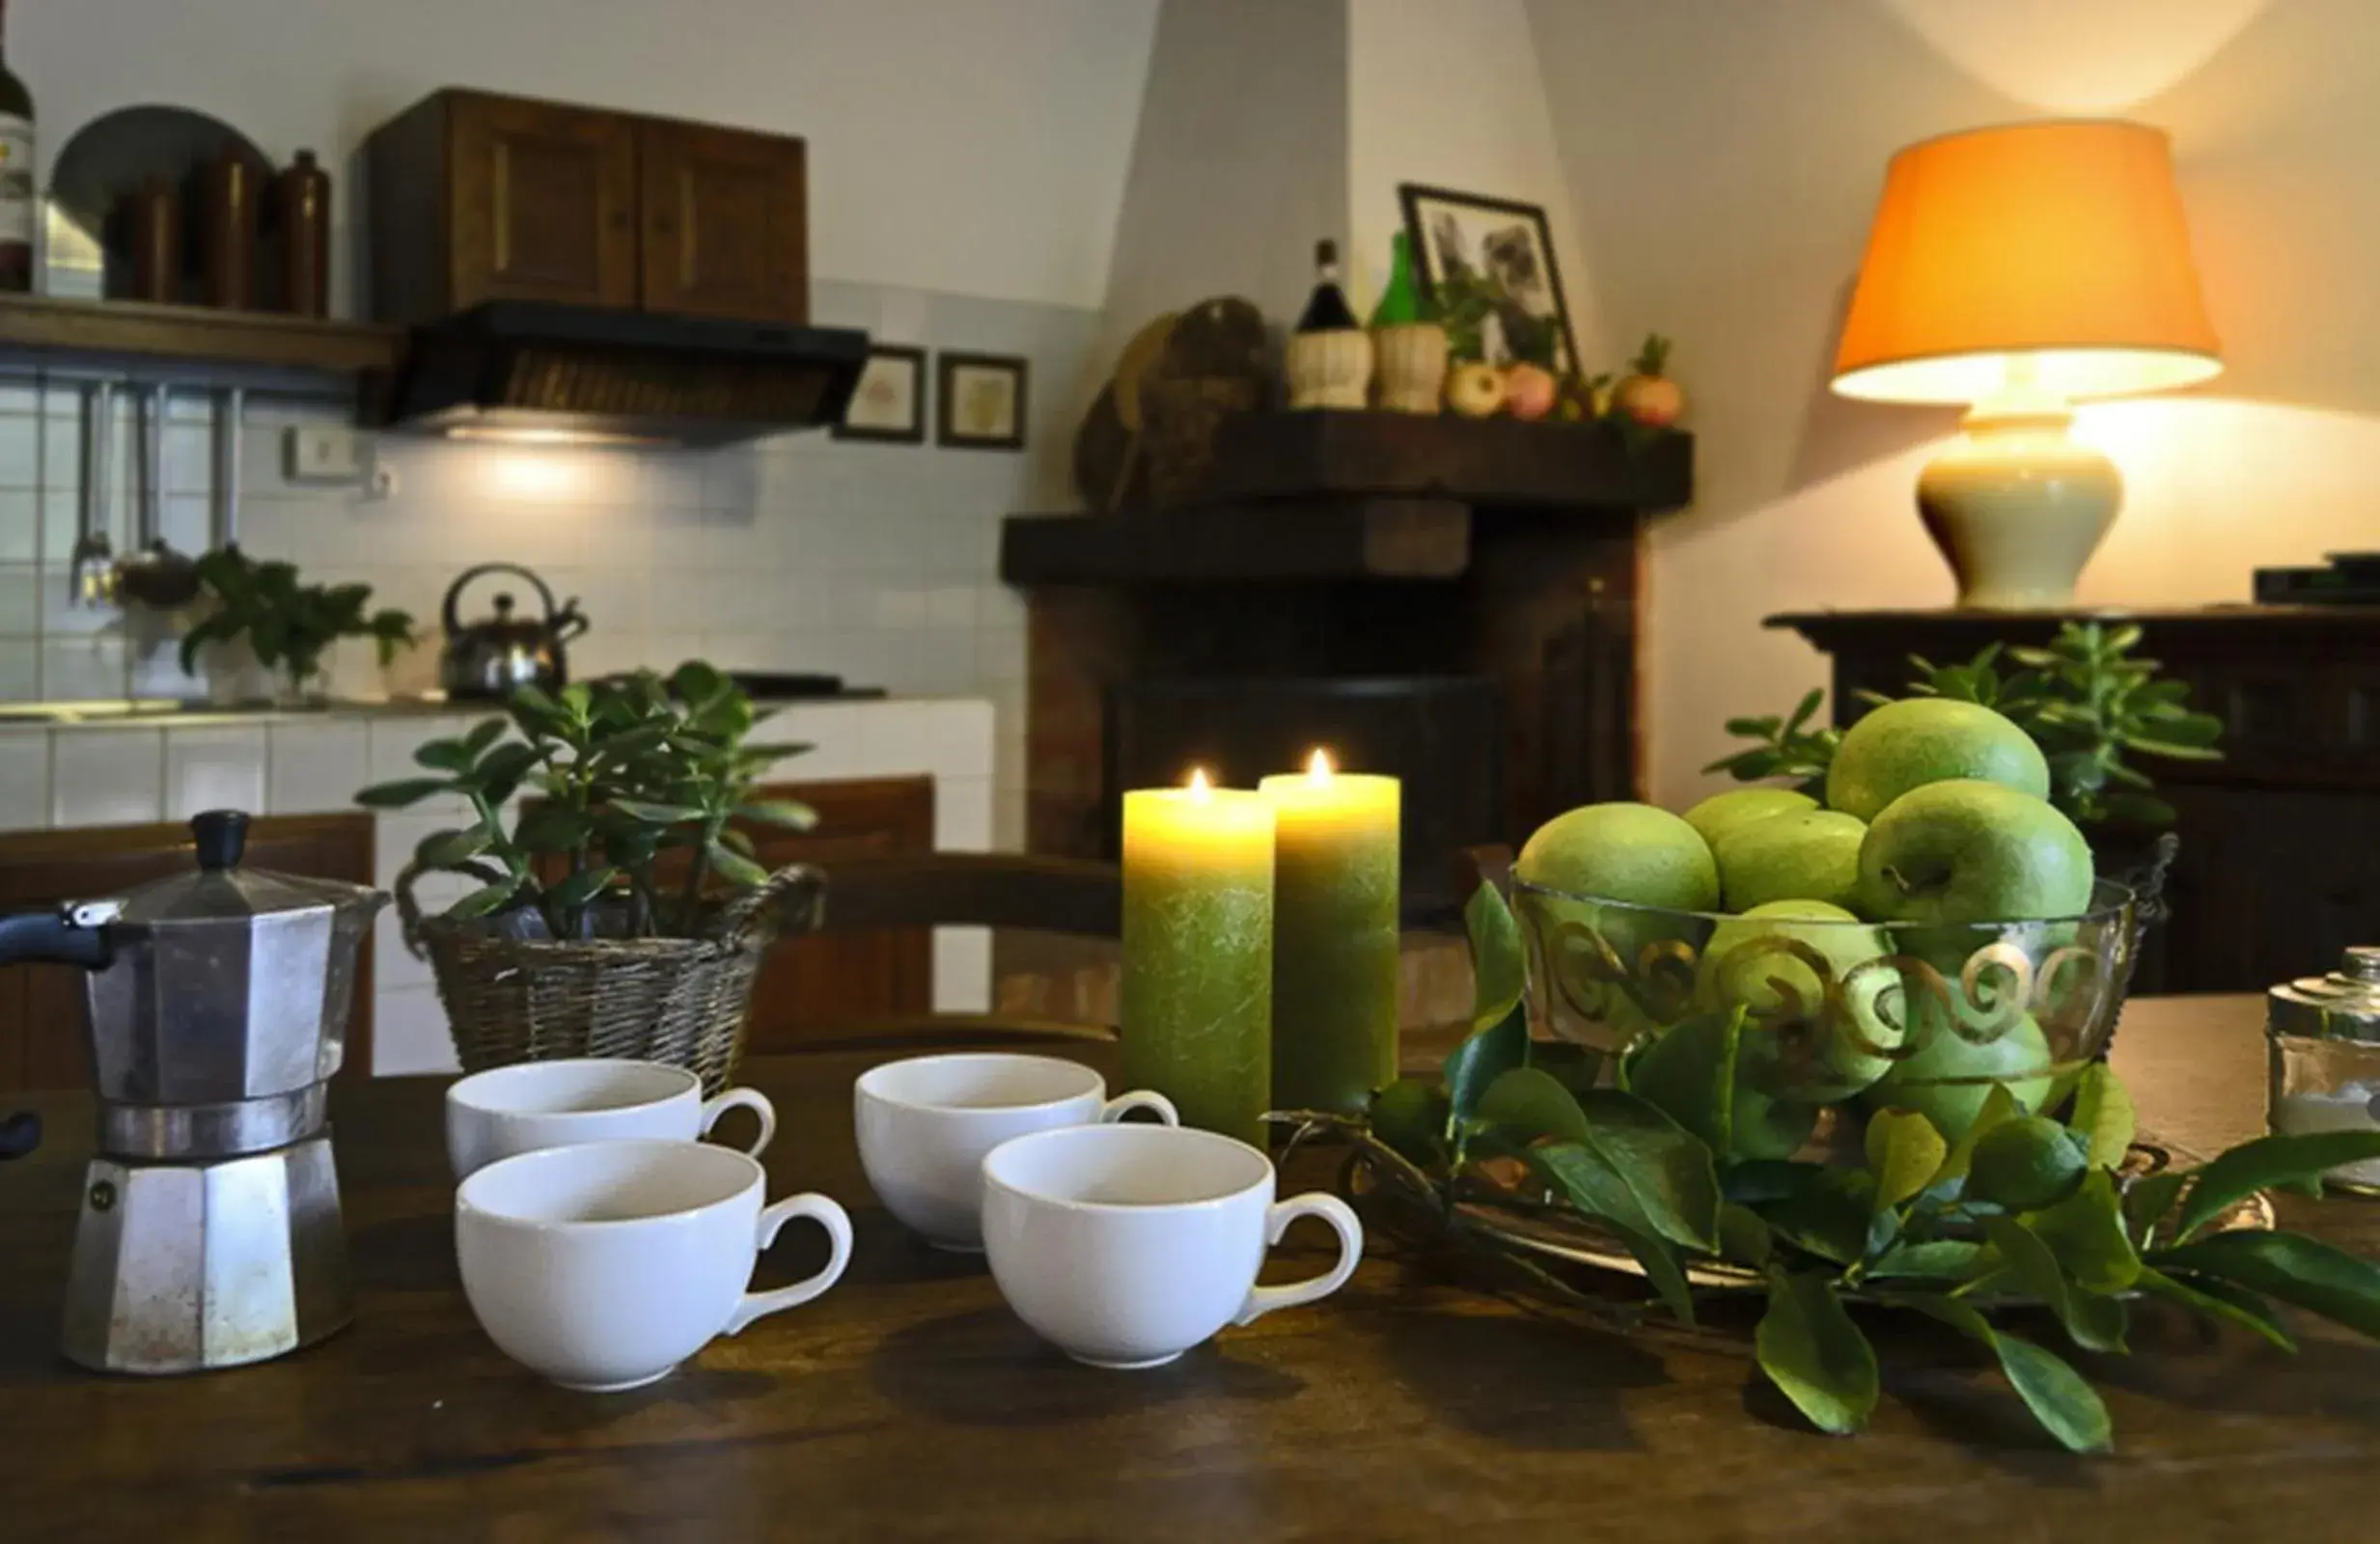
pixel 1484 568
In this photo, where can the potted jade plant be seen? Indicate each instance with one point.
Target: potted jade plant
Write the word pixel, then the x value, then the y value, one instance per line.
pixel 619 909
pixel 287 624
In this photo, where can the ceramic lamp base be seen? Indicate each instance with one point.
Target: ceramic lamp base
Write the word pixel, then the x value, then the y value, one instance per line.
pixel 2018 507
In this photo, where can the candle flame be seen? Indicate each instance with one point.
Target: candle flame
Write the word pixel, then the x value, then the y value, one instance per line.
pixel 1318 766
pixel 1198 786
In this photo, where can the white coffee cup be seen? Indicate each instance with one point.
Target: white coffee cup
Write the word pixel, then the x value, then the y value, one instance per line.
pixel 1125 1246
pixel 605 1264
pixel 521 1108
pixel 926 1124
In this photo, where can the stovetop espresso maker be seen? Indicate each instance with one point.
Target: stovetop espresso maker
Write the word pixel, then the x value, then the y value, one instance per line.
pixel 217 1011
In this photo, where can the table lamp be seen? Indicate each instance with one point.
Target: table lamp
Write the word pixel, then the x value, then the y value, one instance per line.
pixel 2014 270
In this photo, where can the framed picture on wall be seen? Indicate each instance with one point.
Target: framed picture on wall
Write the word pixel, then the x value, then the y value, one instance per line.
pixel 982 401
pixel 1488 262
pixel 889 403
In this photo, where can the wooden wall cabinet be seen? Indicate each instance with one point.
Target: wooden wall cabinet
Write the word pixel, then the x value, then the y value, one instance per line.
pixel 41 1005
pixel 478 197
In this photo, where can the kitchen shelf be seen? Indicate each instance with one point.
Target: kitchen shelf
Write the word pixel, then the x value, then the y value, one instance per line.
pixel 44 325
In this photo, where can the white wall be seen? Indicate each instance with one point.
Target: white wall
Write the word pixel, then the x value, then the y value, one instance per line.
pixel 959 146
pixel 1451 96
pixel 1724 159
pixel 1239 159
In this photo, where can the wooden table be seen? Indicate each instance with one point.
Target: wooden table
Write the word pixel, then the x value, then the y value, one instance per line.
pixel 909 1403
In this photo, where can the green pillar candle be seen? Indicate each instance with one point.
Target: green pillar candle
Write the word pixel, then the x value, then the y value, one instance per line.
pixel 1198 952
pixel 1335 948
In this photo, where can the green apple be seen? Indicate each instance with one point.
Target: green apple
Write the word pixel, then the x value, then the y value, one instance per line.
pixel 1806 855
pixel 1622 852
pixel 1948 1076
pixel 1911 743
pixel 1723 813
pixel 1968 851
pixel 1802 1042
pixel 1680 1073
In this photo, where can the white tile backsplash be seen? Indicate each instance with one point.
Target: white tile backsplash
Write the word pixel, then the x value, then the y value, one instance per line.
pixel 214 769
pixel 316 766
pixel 24 781
pixel 109 776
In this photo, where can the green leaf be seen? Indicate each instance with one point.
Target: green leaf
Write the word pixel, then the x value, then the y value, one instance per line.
pixel 1670 1172
pixel 1998 1104
pixel 1701 1095
pixel 2085 1232
pixel 733 867
pixel 2148 1200
pixel 583 886
pixel 2291 1267
pixel 659 814
pixel 2266 1163
pixel 444 756
pixel 479 902
pixel 404 791
pixel 1802 710
pixel 485 733
pixel 2093 1323
pixel 1744 1236
pixel 444 849
pixel 784 812
pixel 2060 1397
pixel 1577 1067
pixel 1497 969
pixel 2218 1299
pixel 552 828
pixel 1833 1214
pixel 1525 1104
pixel 1484 1057
pixel 1938 1259
pixel 1904 1154
pixel 2103 1116
pixel 500 770
pixel 1814 1355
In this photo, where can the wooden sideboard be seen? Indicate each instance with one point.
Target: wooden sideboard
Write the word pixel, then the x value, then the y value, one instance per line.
pixel 2279 862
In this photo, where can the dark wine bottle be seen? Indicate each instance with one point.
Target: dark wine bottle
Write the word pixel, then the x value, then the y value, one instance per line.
pixel 1327 309
pixel 17 206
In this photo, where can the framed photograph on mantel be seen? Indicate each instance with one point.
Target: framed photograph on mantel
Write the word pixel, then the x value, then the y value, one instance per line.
pixel 1488 262
pixel 889 403
pixel 981 404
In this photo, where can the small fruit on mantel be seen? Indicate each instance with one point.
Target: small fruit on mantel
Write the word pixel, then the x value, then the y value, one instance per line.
pixel 1648 397
pixel 1529 391
pixel 1474 389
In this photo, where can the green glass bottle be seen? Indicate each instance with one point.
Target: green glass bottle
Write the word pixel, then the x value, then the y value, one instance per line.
pixel 1401 302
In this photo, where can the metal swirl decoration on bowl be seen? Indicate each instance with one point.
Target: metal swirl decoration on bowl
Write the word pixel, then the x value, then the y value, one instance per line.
pixel 1609 974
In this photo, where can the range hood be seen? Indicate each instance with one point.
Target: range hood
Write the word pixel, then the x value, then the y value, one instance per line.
pixel 531 371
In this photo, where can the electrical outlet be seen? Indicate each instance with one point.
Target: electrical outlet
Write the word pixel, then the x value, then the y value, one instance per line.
pixel 327 453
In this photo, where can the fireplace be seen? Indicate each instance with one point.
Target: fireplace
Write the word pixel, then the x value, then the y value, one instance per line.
pixel 1451 601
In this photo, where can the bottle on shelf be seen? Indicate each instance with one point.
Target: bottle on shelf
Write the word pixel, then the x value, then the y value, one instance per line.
pixel 1328 362
pixel 17 203
pixel 1409 345
pixel 302 205
pixel 1326 309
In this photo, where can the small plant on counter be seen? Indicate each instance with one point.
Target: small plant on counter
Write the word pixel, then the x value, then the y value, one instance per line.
pixel 288 624
pixel 636 784
pixel 2087 699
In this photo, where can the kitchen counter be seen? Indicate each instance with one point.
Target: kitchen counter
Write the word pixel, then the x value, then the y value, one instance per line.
pixel 121 768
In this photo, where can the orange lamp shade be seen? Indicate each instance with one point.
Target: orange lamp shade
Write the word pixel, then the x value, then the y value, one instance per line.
pixel 2051 256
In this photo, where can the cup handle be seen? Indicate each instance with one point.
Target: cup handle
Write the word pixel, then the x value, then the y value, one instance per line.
pixel 751 1099
pixel 827 1215
pixel 1123 1104
pixel 1263 1299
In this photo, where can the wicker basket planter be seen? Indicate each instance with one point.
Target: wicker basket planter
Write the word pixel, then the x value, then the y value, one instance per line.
pixel 514 993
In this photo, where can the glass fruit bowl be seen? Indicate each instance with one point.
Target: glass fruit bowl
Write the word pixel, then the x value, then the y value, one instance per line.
pixel 1838 1015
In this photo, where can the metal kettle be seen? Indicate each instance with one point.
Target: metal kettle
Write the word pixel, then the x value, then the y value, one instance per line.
pixel 489 657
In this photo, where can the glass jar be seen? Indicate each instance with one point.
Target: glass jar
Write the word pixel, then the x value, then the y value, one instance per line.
pixel 2324 1034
